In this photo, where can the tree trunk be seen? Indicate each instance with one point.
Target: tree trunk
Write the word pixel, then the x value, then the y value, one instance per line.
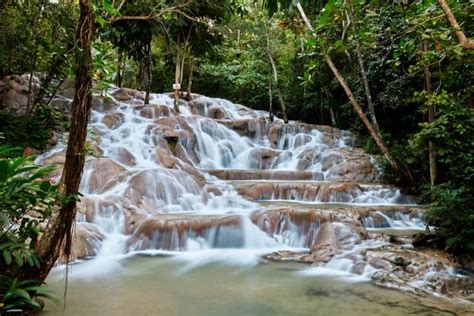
pixel 190 79
pixel 429 89
pixel 270 99
pixel 177 83
pixel 59 229
pixel 141 74
pixel 53 72
pixel 463 40
pixel 119 77
pixel 363 73
pixel 275 79
pixel 375 135
pixel 34 59
pixel 147 71
pixel 333 117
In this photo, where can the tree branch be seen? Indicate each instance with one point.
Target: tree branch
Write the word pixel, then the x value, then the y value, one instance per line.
pixel 463 40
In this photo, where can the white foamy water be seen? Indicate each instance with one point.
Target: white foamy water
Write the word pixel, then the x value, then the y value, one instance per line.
pixel 154 162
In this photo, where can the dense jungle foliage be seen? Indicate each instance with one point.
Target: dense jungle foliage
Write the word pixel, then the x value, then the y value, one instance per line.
pixel 402 60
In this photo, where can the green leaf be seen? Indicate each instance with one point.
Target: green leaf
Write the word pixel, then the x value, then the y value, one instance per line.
pixel 3 170
pixel 7 256
pixel 21 293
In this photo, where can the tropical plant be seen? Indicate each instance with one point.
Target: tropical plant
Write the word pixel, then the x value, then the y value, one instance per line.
pixel 26 202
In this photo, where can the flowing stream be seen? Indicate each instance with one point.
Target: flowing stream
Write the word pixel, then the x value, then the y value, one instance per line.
pixel 182 213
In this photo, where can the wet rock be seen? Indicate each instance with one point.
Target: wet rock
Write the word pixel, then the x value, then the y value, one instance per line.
pixel 125 94
pixel 249 127
pixel 216 112
pixel 105 174
pixel 153 111
pixel 67 88
pixel 330 159
pixel 418 272
pixel 274 135
pixel 104 104
pixel 261 158
pixel 153 190
pixel 86 241
pixel 343 192
pixel 123 155
pixel 64 105
pixel 164 158
pixel 311 192
pixel 230 174
pixel 302 226
pixel 285 255
pixel 356 167
pixel 112 120
pixel 333 238
pixel 172 232
pixel 14 93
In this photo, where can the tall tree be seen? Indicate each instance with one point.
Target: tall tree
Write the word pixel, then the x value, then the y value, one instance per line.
pixel 265 25
pixel 372 131
pixel 59 230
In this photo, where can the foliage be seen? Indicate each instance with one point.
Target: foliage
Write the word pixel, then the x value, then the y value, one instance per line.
pixel 26 201
pixel 33 33
pixel 30 131
pixel 452 212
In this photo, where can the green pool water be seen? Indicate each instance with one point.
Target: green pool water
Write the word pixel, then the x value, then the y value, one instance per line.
pixel 144 285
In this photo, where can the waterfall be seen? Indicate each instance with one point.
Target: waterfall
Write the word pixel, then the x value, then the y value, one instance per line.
pixel 196 184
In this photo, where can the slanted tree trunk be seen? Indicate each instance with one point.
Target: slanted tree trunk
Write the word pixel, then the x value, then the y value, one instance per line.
pixel 463 40
pixel 429 89
pixel 59 229
pixel 375 134
pixel 147 74
pixel 55 69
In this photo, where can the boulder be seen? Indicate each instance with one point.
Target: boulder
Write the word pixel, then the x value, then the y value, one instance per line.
pixel 125 94
pixel 419 272
pixel 304 224
pixel 172 232
pixel 152 111
pixel 103 103
pixel 333 238
pixel 102 174
pixel 112 120
pixel 14 92
pixel 123 155
pixel 67 88
pixel 216 112
pixel 86 242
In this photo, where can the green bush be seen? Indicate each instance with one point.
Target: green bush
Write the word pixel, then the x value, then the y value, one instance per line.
pixel 29 131
pixel 452 212
pixel 26 201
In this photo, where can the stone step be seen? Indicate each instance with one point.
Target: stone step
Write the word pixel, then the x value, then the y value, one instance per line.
pixel 257 174
pixel 322 192
pixel 408 231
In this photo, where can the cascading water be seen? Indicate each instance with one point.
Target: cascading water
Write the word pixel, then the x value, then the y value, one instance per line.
pixel 144 177
pixel 212 185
